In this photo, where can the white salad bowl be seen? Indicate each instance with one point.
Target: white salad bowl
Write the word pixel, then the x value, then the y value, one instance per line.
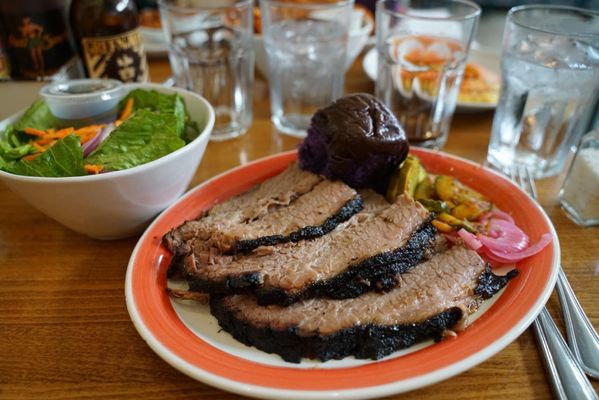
pixel 121 203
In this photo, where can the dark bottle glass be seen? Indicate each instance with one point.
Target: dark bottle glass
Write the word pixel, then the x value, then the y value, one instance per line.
pixel 108 39
pixel 4 63
pixel 37 38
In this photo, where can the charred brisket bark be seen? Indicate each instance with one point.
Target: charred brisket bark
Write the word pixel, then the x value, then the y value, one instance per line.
pixel 350 208
pixel 364 342
pixel 433 297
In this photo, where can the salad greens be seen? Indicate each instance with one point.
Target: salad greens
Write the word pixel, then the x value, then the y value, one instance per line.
pixel 38 145
pixel 144 137
pixel 65 158
pixel 166 104
pixel 37 116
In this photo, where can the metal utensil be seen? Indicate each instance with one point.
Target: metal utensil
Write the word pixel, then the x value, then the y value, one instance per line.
pixel 567 377
pixel 582 337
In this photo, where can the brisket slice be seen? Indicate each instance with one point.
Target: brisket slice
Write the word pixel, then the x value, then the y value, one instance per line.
pixel 277 191
pixel 308 215
pixel 361 255
pixel 434 297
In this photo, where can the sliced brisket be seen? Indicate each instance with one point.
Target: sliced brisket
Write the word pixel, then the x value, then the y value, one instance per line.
pixel 277 191
pixel 289 207
pixel 435 296
pixel 361 255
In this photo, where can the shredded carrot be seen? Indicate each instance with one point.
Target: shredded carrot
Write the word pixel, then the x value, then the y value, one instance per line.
pixel 48 138
pixel 31 157
pixel 65 131
pixel 127 110
pixel 51 136
pixel 88 129
pixel 93 168
pixel 34 132
pixel 38 147
pixel 44 141
pixel 87 138
pixel 117 122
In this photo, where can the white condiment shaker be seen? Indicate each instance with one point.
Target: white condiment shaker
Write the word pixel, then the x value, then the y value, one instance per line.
pixel 579 195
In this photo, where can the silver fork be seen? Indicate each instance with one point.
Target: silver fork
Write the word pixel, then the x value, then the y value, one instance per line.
pixel 566 373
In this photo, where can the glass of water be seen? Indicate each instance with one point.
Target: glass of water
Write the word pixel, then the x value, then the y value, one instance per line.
pixel 422 47
pixel 306 44
pixel 211 53
pixel 550 68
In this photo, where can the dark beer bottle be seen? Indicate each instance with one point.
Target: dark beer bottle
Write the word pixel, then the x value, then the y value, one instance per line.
pixel 37 38
pixel 108 39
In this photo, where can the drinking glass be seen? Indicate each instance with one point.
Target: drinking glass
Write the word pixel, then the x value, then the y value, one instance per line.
pixel 306 49
pixel 211 53
pixel 550 68
pixel 422 47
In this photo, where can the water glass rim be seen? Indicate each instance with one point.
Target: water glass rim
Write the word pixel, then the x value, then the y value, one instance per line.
pixel 238 4
pixel 514 10
pixel 307 6
pixel 476 11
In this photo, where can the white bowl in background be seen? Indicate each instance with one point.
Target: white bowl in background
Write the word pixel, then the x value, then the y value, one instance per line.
pixel 360 28
pixel 121 203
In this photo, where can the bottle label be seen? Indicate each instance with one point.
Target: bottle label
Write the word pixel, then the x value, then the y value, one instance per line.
pixel 118 57
pixel 37 42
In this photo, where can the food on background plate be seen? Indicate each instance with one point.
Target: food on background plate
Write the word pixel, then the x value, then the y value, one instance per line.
pixel 479 85
pixel 428 57
pixel 149 126
pixel 363 13
pixel 382 278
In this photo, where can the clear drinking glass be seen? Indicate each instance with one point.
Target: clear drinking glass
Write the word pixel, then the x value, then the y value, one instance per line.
pixel 579 194
pixel 306 49
pixel 550 81
pixel 422 47
pixel 211 53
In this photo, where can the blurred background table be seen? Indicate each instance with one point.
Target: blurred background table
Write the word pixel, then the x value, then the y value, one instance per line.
pixel 65 331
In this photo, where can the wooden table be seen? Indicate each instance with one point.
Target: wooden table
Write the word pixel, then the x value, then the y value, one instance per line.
pixel 65 331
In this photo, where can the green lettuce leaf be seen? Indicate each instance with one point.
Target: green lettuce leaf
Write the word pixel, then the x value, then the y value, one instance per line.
pixel 164 103
pixel 65 158
pixel 13 146
pixel 144 137
pixel 37 116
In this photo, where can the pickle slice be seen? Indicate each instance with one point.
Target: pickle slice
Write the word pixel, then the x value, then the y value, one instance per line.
pixel 404 179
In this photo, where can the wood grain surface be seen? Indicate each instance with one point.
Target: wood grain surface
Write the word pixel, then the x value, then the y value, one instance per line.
pixel 65 332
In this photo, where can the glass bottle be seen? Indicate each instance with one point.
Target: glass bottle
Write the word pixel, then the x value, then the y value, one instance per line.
pixel 108 39
pixel 37 38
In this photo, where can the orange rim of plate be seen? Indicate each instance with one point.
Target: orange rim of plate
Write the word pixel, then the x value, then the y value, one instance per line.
pixel 159 324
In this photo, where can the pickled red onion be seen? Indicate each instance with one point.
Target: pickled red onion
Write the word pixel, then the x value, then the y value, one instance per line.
pixel 505 242
pixel 470 239
pixel 498 214
pixel 502 257
pixel 505 237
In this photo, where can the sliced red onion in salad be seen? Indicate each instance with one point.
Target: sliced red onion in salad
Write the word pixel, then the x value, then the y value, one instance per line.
pixel 94 142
